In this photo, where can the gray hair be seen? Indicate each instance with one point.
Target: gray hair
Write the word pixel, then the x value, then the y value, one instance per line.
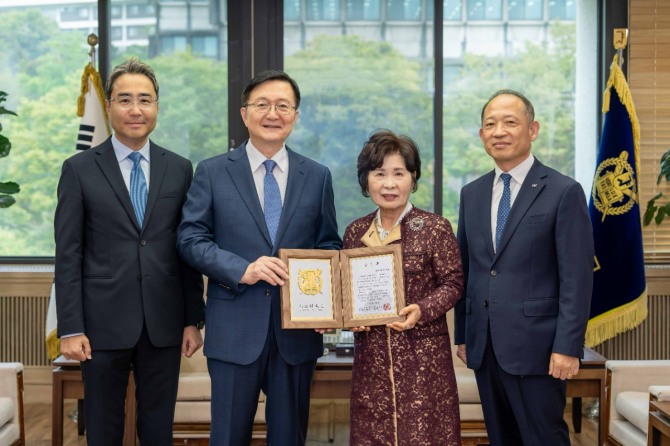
pixel 530 110
pixel 130 66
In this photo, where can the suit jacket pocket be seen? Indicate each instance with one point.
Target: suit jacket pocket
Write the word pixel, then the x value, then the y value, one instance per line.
pixel 535 219
pixel 540 306
pixel 414 262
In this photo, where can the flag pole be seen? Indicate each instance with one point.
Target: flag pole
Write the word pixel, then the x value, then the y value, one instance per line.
pixel 620 42
pixel 92 40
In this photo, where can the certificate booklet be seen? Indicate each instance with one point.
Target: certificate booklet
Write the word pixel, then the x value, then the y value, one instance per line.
pixel 348 288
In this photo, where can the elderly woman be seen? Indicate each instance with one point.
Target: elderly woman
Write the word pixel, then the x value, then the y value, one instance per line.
pixel 404 388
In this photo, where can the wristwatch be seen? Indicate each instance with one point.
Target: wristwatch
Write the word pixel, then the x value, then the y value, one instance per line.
pixel 200 325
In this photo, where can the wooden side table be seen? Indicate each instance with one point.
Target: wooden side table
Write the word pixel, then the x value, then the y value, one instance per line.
pixel 590 382
pixel 68 384
pixel 659 423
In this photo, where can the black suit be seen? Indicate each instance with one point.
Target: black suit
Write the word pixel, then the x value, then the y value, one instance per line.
pixel 123 286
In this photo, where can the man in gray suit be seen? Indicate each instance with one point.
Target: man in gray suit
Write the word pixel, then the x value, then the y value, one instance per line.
pixel 125 299
pixel 242 208
pixel 527 248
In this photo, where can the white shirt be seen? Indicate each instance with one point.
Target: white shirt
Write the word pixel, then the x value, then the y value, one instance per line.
pixel 280 171
pixel 518 175
pixel 126 164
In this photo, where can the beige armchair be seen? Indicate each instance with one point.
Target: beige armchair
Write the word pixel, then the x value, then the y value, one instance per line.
pixel 12 431
pixel 630 386
pixel 192 413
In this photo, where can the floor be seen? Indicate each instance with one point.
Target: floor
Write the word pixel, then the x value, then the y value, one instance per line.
pixel 38 426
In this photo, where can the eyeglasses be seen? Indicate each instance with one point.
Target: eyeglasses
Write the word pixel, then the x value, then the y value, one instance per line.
pixel 264 107
pixel 126 103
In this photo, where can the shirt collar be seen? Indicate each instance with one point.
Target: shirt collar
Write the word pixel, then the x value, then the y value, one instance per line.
pixel 383 233
pixel 122 151
pixel 256 158
pixel 519 172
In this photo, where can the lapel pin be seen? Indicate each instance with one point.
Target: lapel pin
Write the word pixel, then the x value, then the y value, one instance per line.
pixel 533 185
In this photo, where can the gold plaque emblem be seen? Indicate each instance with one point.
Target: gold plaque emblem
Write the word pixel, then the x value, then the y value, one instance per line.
pixel 614 188
pixel 310 281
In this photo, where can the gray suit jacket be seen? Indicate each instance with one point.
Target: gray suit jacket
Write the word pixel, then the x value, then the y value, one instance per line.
pixel 535 292
pixel 112 276
pixel 224 230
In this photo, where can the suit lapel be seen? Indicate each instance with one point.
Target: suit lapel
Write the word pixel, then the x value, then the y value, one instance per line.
pixel 297 177
pixel 240 173
pixel 109 166
pixel 485 193
pixel 530 189
pixel 157 166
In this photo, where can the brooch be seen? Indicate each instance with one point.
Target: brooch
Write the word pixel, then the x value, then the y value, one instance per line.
pixel 416 224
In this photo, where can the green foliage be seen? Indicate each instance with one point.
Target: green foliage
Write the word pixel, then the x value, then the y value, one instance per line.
pixel 657 211
pixel 8 188
pixel 193 116
pixel 545 73
pixel 44 64
pixel 351 87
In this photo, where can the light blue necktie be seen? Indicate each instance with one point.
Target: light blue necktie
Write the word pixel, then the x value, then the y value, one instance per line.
pixel 503 207
pixel 138 187
pixel 271 199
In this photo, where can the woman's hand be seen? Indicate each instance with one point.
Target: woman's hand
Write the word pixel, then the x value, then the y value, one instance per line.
pixel 359 329
pixel 412 313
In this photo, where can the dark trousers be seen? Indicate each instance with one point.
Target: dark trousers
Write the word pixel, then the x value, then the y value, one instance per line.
pixel 156 373
pixel 521 410
pixel 235 392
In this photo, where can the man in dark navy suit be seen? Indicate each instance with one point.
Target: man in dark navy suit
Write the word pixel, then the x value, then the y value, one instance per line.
pixel 125 299
pixel 242 208
pixel 527 247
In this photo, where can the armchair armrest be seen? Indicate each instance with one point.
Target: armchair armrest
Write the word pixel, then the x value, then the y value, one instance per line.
pixel 11 385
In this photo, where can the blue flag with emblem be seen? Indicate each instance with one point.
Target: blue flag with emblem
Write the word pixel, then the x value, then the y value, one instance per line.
pixel 619 301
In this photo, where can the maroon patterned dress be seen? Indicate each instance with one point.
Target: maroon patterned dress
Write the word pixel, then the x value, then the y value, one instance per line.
pixel 404 389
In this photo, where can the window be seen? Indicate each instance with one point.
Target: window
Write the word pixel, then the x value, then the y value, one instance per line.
pixel 207 46
pixel 72 13
pixel 562 9
pixel 484 10
pixel 135 11
pixel 524 9
pixel 363 10
pixel 117 33
pixel 42 65
pixel 355 83
pixel 323 10
pixel 403 10
pixel 140 32
pixel 116 12
pixel 479 58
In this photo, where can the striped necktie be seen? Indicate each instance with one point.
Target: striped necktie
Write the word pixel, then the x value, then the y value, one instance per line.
pixel 138 187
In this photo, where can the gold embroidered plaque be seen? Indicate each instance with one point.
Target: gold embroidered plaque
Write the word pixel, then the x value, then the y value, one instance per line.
pixel 348 288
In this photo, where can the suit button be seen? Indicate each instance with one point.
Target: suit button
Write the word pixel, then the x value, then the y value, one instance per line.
pixel 143 242
pixel 139 277
pixel 268 293
pixel 486 302
pixel 494 272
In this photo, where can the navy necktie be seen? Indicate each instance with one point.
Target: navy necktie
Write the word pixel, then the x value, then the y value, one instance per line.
pixel 138 187
pixel 503 207
pixel 271 199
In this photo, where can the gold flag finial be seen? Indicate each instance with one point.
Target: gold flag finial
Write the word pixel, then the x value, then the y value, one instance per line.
pixel 620 38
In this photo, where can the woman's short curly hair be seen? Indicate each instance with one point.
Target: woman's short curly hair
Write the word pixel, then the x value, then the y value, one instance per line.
pixel 381 144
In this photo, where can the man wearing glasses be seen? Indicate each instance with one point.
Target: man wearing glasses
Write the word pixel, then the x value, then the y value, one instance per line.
pixel 243 206
pixel 125 301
